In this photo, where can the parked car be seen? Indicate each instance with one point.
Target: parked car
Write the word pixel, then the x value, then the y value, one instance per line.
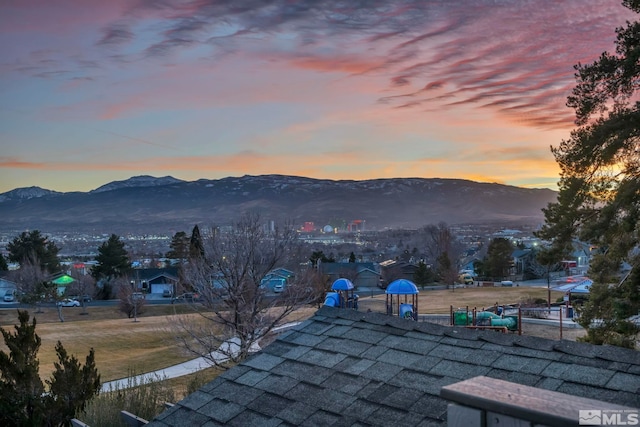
pixel 137 295
pixel 68 302
pixel 83 298
pixel 9 296
pixel 466 278
pixel 167 293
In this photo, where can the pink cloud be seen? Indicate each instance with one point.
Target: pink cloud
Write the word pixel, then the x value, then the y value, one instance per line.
pixel 14 163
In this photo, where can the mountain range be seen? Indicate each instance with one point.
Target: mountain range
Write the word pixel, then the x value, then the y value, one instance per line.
pixel 146 204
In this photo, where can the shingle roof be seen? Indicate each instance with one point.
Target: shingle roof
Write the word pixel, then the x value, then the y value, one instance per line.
pixel 344 367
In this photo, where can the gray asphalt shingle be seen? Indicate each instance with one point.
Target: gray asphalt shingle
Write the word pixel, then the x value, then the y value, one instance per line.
pixel 348 368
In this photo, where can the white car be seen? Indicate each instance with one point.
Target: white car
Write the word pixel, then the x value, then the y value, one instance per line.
pixel 9 296
pixel 68 302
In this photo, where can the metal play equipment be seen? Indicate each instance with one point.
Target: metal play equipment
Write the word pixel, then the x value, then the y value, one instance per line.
pixel 475 319
pixel 405 310
pixel 574 285
pixel 343 295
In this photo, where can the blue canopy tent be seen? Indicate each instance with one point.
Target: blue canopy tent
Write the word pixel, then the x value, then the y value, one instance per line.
pixel 403 287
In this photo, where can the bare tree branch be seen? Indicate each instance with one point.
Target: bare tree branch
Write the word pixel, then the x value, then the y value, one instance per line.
pixel 235 307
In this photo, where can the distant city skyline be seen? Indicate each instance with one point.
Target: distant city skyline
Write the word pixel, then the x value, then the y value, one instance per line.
pixel 93 92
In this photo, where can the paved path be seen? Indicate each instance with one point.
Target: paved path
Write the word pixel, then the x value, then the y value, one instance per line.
pixel 181 369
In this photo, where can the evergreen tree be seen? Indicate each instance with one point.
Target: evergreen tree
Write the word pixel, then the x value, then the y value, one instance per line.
pixel 180 245
pixel 196 244
pixel 446 269
pixel 20 385
pixel 599 201
pixel 499 258
pixel 352 257
pixel 113 260
pixel 423 275
pixel 320 256
pixel 33 245
pixel 24 401
pixel 3 263
pixel 71 386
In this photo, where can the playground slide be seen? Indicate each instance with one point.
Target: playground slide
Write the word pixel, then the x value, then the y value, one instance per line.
pixel 332 299
pixel 510 322
pixel 486 318
pixel 406 311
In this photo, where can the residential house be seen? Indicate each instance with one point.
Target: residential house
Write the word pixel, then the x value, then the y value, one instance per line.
pixel 361 274
pixel 394 269
pixel 521 259
pixel 155 280
pixel 277 279
pixel 343 367
pixel 581 255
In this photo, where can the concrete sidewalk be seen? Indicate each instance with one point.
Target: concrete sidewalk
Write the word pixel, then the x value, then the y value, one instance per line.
pixel 185 368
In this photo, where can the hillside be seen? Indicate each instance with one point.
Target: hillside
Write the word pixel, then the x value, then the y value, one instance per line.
pixel 150 204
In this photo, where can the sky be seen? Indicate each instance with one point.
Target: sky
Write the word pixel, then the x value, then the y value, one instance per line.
pixel 94 91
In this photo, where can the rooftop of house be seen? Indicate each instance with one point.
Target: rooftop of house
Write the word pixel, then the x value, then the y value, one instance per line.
pixel 344 367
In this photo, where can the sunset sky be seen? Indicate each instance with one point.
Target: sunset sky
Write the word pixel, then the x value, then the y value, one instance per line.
pixel 93 91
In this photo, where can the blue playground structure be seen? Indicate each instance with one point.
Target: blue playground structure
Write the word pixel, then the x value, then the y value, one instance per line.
pixel 343 295
pixel 408 309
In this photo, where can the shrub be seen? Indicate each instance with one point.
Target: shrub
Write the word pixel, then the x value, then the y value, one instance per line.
pixel 24 399
pixel 144 397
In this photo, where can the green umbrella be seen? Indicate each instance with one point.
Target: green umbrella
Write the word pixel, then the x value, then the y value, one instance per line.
pixel 63 280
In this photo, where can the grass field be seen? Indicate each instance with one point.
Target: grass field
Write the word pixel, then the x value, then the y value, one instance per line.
pixel 440 301
pixel 123 346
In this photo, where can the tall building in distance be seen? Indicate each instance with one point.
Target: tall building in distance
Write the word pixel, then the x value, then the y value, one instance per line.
pixel 356 225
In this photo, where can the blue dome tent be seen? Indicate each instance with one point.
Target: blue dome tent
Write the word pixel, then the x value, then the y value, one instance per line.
pixel 406 310
pixel 343 295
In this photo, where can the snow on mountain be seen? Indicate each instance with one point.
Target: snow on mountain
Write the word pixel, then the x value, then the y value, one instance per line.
pixel 168 203
pixel 137 181
pixel 26 193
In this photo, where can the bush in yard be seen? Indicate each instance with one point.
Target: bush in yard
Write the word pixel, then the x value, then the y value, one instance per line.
pixel 144 398
pixel 24 400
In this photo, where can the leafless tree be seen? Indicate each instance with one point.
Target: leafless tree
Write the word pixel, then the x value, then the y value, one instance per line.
pixel 32 283
pixel 130 302
pixel 318 283
pixel 84 285
pixel 391 272
pixel 234 311
pixel 441 244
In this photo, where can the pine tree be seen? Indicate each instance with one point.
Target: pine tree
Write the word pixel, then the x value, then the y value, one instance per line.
pixel 196 245
pixel 599 201
pixel 34 246
pixel 499 258
pixel 24 401
pixel 113 260
pixel 179 246
pixel 423 275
